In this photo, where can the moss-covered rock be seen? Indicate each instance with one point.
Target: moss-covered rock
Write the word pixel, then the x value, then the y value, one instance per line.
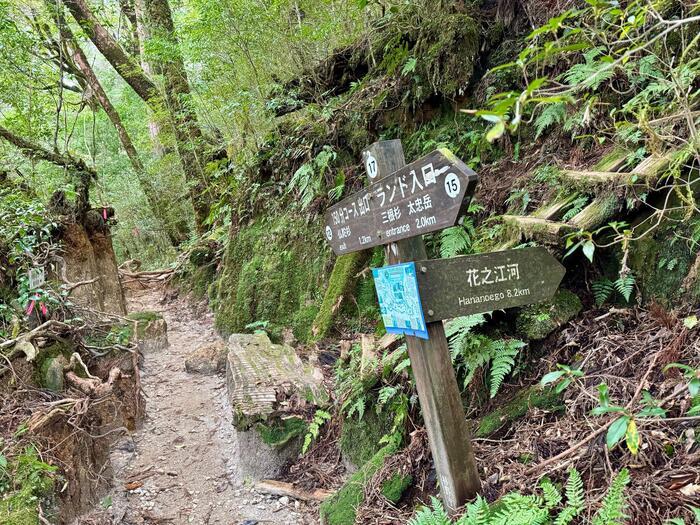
pixel 49 365
pixel 341 508
pixel 359 438
pixel 394 487
pixel 52 373
pixel 270 271
pixel 661 262
pixel 533 397
pixel 537 321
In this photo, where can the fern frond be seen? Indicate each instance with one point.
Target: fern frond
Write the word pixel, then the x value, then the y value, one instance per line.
pixel 454 241
pixel 576 206
pixel 502 362
pixel 614 502
pixel 434 516
pixel 602 290
pixel 551 114
pixel 625 285
pixel 478 513
pixel 574 499
pixel 552 496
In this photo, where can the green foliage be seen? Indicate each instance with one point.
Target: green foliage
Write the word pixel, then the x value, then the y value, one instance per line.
pixel 472 351
pixel 614 503
pixel 518 509
pixel 320 417
pixel 307 181
pixel 457 240
pixel 25 482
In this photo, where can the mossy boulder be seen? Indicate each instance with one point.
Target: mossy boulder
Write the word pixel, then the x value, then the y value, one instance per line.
pixel 537 321
pixel 149 329
pixel 52 377
pixel 661 262
pixel 341 508
pixel 359 438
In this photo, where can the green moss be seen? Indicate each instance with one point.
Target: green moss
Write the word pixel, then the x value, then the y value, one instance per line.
pixel 340 283
pixel 279 433
pixel 539 320
pixel 394 487
pixel 143 319
pixel 517 408
pixel 341 508
pixel 303 320
pixel 145 316
pixel 270 271
pixel 29 480
pixel 202 278
pixel 359 438
pixel 48 364
pixel 660 262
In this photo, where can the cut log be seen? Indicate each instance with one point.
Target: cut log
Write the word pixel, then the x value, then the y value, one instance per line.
pixel 263 378
pixel 554 210
pixel 280 488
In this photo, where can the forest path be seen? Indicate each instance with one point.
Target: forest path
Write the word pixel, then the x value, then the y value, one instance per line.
pixel 180 466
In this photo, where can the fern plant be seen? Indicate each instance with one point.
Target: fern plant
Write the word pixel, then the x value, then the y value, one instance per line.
pixel 320 417
pixel 551 507
pixel 471 351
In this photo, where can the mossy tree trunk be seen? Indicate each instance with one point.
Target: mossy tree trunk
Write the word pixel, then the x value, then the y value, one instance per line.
pixel 340 284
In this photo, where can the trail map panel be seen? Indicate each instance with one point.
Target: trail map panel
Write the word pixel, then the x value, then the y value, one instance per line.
pixel 424 196
pixel 399 299
pixel 489 281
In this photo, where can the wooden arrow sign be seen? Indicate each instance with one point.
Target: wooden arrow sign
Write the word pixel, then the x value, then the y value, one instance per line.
pixel 489 281
pixel 425 196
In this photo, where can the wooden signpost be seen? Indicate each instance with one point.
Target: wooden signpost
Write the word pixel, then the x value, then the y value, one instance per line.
pixel 474 284
pixel 401 203
pixel 427 195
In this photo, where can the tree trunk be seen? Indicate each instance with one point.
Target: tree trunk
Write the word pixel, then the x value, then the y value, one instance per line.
pixel 154 124
pixel 188 135
pixel 149 190
pixel 126 66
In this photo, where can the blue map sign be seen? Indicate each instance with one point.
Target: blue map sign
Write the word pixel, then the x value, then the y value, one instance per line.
pixel 399 299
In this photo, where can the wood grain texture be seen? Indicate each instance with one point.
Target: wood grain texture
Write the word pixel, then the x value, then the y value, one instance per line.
pixel 262 377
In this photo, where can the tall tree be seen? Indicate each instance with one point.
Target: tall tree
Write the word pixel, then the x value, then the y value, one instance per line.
pixel 176 232
pixel 189 138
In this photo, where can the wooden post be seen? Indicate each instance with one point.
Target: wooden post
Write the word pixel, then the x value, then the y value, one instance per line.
pixel 440 401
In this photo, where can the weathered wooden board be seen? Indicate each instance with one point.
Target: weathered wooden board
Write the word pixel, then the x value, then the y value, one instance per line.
pixel 489 281
pixel 425 196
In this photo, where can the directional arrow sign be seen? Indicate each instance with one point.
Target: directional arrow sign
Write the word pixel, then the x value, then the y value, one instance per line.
pixel 424 196
pixel 490 281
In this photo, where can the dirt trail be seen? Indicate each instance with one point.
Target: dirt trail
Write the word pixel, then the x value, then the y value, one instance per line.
pixel 180 467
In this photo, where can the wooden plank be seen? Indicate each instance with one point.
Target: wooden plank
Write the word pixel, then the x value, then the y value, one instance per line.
pixel 485 282
pixel 280 488
pixel 441 404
